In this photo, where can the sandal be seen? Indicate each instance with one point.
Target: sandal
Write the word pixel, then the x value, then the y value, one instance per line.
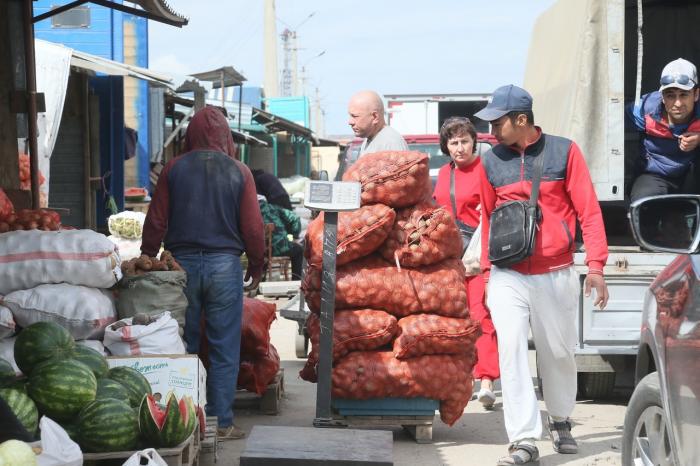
pixel 231 432
pixel 520 453
pixel 562 440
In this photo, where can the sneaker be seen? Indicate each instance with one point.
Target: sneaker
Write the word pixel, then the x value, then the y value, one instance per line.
pixel 486 397
pixel 562 439
pixel 231 432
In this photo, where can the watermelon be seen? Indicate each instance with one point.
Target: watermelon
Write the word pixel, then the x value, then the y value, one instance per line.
pixel 23 407
pixel 108 425
pixel 7 373
pixel 42 341
pixel 108 388
pixel 91 358
pixel 60 388
pixel 167 426
pixel 133 381
pixel 19 383
pixel 71 429
pixel 135 194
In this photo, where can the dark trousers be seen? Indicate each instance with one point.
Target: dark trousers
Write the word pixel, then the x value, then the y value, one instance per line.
pixel 296 253
pixel 648 184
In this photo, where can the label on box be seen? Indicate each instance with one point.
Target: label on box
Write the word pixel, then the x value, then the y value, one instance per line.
pixel 182 374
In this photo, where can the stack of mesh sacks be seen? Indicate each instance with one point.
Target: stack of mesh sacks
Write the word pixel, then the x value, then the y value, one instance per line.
pixel 402 327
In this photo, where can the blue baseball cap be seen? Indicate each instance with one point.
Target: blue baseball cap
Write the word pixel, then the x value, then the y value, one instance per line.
pixel 505 99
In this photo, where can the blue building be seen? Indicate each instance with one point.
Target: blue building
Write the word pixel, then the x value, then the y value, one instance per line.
pixel 123 100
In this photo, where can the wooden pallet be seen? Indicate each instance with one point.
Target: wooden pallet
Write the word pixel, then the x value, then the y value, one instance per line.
pixel 269 402
pixel 419 427
pixel 185 454
pixel 210 441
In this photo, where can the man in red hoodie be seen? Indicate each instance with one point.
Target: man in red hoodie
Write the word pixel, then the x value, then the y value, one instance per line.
pixel 205 209
pixel 541 292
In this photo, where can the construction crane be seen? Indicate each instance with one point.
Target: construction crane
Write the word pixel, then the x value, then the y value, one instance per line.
pixel 290 84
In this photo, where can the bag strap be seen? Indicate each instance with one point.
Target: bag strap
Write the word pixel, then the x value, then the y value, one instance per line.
pixel 452 189
pixel 539 164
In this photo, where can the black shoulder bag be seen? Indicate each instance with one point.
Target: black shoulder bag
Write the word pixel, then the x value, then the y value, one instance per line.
pixel 514 223
pixel 465 231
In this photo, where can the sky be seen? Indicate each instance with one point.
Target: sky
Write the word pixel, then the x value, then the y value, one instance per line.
pixel 390 46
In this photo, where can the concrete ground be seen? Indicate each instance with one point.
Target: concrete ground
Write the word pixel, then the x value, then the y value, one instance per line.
pixel 478 438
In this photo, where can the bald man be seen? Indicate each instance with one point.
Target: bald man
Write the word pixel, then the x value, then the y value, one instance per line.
pixel 366 111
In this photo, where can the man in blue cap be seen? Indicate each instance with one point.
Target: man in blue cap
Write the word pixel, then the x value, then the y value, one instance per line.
pixel 541 292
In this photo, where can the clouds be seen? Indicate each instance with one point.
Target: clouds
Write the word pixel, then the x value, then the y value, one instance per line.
pixel 391 46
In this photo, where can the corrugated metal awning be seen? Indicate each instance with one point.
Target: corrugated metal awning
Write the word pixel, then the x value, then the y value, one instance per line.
pixel 274 123
pixel 93 63
pixel 227 74
pixel 157 10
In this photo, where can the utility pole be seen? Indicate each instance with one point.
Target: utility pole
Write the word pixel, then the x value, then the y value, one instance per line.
pixel 287 86
pixel 318 115
pixel 303 77
pixel 295 79
pixel 271 82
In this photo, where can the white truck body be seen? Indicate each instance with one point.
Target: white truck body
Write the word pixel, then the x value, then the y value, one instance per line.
pixel 424 113
pixel 582 70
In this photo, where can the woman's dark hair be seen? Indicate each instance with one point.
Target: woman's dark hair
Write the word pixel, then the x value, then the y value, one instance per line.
pixel 456 126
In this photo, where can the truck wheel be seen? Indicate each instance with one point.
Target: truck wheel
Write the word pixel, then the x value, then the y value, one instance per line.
pixel 301 345
pixel 646 429
pixel 596 385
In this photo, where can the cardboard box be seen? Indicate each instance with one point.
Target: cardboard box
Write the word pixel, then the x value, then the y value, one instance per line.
pixel 182 373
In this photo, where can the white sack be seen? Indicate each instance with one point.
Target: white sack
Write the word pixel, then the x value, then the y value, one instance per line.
pixel 57 448
pixel 160 337
pixel 7 323
pixel 83 311
pixel 147 457
pixel 127 248
pixel 79 257
pixel 94 344
pixel 7 352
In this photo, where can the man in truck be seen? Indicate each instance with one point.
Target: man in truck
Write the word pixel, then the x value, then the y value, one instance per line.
pixel 541 292
pixel 366 111
pixel 670 122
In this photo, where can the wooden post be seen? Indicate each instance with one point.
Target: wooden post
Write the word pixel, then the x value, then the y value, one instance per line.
pixel 9 163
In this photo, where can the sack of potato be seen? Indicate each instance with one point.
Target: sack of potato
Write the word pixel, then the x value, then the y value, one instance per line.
pixel 151 286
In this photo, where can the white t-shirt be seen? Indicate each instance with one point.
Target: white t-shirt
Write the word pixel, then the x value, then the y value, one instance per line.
pixel 386 139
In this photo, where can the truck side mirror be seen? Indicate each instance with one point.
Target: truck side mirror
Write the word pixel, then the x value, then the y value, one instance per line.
pixel 667 223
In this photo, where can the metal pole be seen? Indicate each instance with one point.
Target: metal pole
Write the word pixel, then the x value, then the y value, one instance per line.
pixel 223 104
pixel 30 66
pixel 325 360
pixel 240 104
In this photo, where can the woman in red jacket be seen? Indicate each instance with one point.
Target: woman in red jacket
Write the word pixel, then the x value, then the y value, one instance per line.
pixel 457 189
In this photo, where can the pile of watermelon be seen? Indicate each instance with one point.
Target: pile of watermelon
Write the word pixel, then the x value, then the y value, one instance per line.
pixel 102 409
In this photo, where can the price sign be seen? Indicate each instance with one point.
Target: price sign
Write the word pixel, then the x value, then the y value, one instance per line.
pixel 333 196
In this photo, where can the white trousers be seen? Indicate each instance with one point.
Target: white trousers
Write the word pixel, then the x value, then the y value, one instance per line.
pixel 547 304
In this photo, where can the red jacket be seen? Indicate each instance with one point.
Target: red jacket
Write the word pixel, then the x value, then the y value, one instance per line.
pixel 466 191
pixel 566 194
